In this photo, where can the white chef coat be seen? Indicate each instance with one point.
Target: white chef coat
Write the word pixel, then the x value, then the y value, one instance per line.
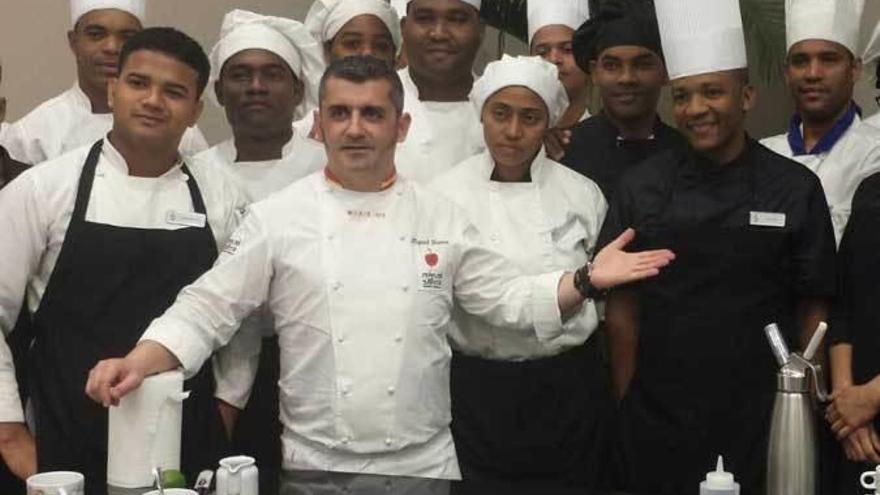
pixel 300 157
pixel 66 122
pixel 855 156
pixel 235 365
pixel 873 120
pixel 35 211
pixel 550 223
pixel 442 134
pixel 361 286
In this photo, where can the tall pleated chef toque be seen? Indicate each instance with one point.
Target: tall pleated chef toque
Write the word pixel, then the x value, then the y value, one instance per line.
pixel 701 36
pixel 830 20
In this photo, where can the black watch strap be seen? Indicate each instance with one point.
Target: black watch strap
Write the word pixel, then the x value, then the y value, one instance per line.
pixel 584 286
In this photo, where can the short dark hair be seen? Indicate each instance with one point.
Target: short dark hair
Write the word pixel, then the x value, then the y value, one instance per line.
pixel 176 44
pixel 363 68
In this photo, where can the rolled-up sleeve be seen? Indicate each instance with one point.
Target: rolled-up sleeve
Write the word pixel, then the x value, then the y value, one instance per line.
pixel 207 314
pixel 23 239
pixel 490 286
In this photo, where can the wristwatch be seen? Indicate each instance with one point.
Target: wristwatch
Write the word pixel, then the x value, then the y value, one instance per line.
pixel 584 286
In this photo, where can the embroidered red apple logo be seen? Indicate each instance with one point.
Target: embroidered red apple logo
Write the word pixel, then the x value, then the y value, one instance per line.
pixel 431 259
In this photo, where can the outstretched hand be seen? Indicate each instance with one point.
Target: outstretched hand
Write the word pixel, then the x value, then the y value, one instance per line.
pixel 613 266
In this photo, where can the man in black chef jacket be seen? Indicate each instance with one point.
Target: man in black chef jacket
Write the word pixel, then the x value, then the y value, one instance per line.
pixel 620 48
pixel 101 239
pixel 754 242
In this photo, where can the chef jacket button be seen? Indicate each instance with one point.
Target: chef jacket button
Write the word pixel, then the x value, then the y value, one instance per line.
pixel 495 238
pixel 388 441
pixel 336 286
pixel 402 238
pixel 345 440
pixel 405 288
pixel 329 237
pixel 340 339
pixel 398 338
pixel 390 390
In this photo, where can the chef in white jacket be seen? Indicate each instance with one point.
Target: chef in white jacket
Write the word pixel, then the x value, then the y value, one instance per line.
pixel 100 240
pixel 543 216
pixel 263 69
pixel 352 27
pixel 441 39
pixel 551 28
pixel 826 133
pixel 81 115
pixel 360 268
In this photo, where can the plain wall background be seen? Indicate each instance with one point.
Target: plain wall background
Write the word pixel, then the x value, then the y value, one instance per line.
pixel 38 65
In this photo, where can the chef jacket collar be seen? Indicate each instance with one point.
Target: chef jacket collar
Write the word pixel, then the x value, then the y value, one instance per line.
pixel 116 162
pixel 796 136
pixel 333 181
pixel 536 169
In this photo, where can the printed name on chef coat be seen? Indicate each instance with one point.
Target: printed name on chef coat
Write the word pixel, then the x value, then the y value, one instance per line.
pixel 432 276
pixel 766 219
pixel 186 219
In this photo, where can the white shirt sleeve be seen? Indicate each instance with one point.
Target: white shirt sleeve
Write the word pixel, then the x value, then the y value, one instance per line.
pixel 22 244
pixel 490 286
pixel 235 365
pixel 20 146
pixel 208 313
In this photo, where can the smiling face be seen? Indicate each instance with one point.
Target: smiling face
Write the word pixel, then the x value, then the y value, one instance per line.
pixel 442 38
pixel 629 79
pixel 515 120
pixel 362 35
pixel 96 41
pixel 821 76
pixel 710 110
pixel 258 91
pixel 360 127
pixel 553 44
pixel 154 100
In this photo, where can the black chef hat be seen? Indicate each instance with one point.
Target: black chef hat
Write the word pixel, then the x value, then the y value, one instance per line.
pixel 617 22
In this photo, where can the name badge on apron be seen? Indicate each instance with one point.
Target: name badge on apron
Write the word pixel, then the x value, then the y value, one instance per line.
pixel 766 219
pixel 186 219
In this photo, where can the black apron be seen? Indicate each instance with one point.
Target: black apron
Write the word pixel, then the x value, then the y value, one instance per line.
pixel 529 421
pixel 705 377
pixel 108 284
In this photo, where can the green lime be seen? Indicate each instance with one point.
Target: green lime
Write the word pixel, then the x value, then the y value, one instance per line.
pixel 172 478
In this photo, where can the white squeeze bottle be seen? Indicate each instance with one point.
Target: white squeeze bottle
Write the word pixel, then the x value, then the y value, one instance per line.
pixel 719 482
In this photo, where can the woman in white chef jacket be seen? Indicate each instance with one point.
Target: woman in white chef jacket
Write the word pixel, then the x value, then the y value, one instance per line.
pixel 523 409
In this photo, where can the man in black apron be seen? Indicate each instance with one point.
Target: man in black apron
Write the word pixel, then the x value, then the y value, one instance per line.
pixel 754 245
pixel 138 232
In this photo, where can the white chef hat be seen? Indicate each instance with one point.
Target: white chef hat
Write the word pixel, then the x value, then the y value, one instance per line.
pixel 327 17
pixel 571 13
pixel 832 20
pixel 534 73
pixel 474 3
pixel 79 8
pixel 872 51
pixel 701 36
pixel 289 39
pixel 400 7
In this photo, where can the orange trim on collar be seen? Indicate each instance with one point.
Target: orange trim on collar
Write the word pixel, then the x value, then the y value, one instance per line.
pixel 385 185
